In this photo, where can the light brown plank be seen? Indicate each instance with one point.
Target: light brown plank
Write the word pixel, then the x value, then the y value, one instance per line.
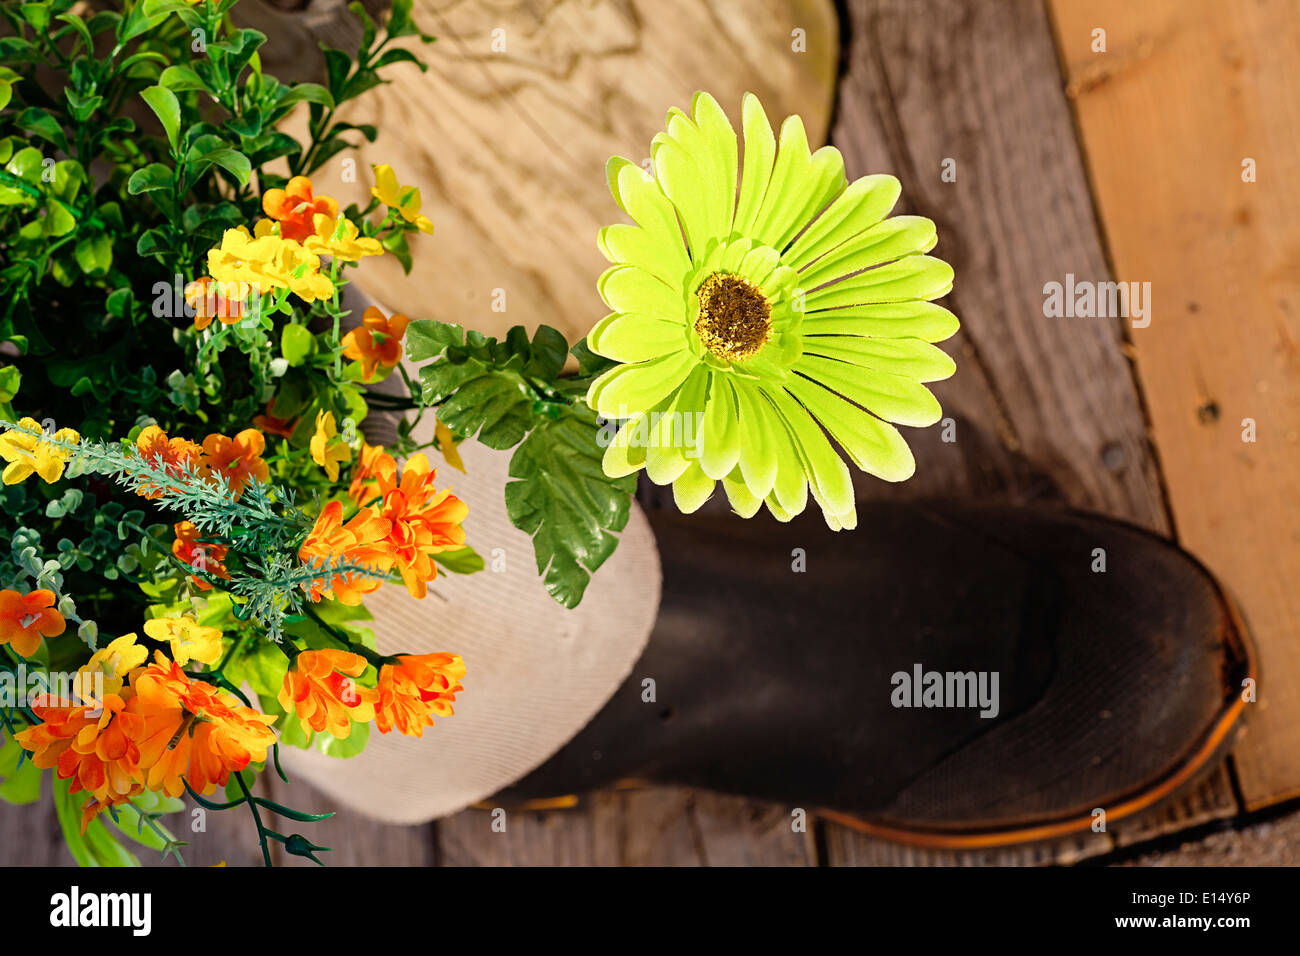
pixel 1186 90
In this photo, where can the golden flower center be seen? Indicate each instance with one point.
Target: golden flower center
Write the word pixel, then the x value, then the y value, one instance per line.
pixel 735 318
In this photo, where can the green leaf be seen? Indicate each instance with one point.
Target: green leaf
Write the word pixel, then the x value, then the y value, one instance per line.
pixel 181 79
pixel 306 93
pixel 296 343
pixel 349 746
pixel 94 254
pixel 20 783
pixel 497 406
pixel 168 110
pixel 153 176
pixel 231 160
pixel 40 123
pixel 565 501
pixel 428 338
pixel 96 847
pixel 10 380
pixel 461 561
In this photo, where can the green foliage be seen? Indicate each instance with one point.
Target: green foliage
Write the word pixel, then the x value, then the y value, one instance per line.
pixel 511 394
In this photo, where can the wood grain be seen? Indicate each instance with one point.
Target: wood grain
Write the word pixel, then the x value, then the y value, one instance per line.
pixel 1187 90
pixel 509 146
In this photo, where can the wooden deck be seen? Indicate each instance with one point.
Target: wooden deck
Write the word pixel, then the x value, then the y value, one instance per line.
pixel 1123 164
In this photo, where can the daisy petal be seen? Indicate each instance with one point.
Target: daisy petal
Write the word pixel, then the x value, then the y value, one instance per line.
pixel 720 430
pixel 760 150
pixel 673 438
pixel 891 397
pixel 688 181
pixel 635 246
pixel 800 186
pixel 830 481
pixel 910 358
pixel 720 136
pixel 639 387
pixel 629 289
pixel 629 337
pixel 875 446
pixel 892 239
pixel 626 453
pixel 914 319
pixel 758 439
pixel 692 489
pixel 638 195
pixel 863 204
pixel 743 501
pixel 912 277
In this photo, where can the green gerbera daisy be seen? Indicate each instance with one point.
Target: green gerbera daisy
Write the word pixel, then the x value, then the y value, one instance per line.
pixel 753 323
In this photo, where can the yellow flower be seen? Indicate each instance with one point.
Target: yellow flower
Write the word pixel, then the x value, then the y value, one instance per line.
pixel 447 445
pixel 190 640
pixel 405 199
pixel 339 238
pixel 27 451
pixel 266 260
pixel 114 662
pixel 324 450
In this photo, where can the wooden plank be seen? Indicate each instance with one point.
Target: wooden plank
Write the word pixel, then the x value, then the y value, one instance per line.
pixel 1045 409
pixel 1187 91
pixel 508 132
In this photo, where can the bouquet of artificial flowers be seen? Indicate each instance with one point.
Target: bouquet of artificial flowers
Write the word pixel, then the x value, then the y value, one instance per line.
pixel 194 516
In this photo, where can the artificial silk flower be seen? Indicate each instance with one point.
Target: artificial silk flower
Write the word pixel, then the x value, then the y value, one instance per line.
pixel 360 542
pixel 376 343
pixel 204 556
pixel 321 687
pixel 266 260
pixel 209 301
pixel 755 311
pixel 364 488
pixel 405 199
pixel 26 618
pixel 340 238
pixel 111 665
pixel 448 445
pixel 271 425
pixel 295 208
pixel 192 732
pixel 176 456
pixel 414 690
pixel 423 520
pixel 28 452
pixel 189 640
pixel 326 451
pixel 91 744
pixel 239 459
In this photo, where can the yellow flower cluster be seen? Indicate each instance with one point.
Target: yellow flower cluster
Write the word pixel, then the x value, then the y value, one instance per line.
pixel 27 451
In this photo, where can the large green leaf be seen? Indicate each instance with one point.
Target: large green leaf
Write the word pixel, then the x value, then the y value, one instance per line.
pixel 564 499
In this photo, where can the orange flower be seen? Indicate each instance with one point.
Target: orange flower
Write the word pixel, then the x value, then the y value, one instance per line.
pixel 238 458
pixel 201 555
pixel 424 521
pixel 175 455
pixel 272 425
pixel 209 301
pixel 294 206
pixel 365 487
pixel 414 689
pixel 192 731
pixel 321 688
pixel 360 541
pixel 378 341
pixel 25 618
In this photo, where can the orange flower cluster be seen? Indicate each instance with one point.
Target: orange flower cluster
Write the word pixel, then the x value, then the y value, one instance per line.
pixel 163 729
pixel 324 690
pixel 376 342
pixel 321 688
pixel 411 522
pixel 210 300
pixel 26 618
pixel 415 689
pixel 201 555
pixel 295 207
pixel 239 459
